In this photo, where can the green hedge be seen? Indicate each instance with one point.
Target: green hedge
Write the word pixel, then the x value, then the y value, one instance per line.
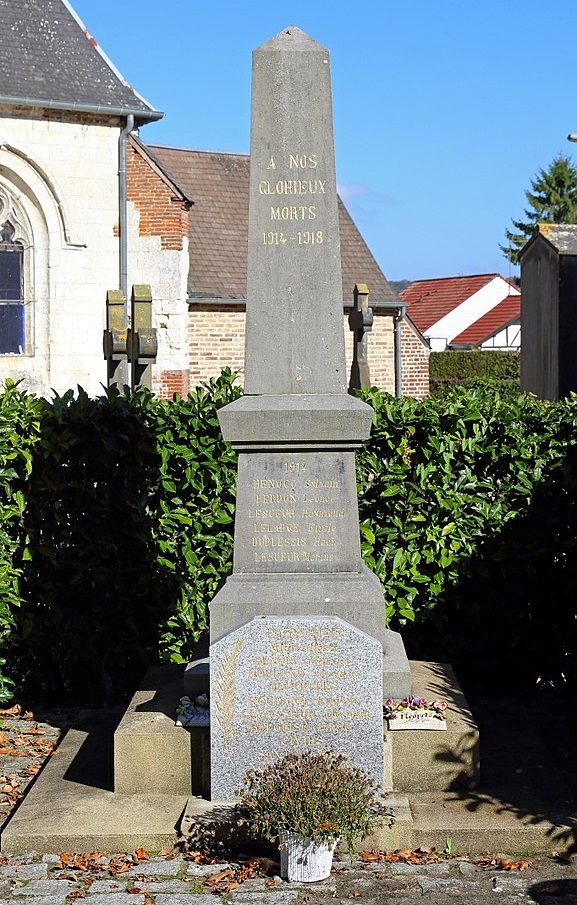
pixel 469 517
pixel 474 367
pixel 117 513
pixel 122 536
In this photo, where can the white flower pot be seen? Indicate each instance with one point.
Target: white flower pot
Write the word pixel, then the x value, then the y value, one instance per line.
pixel 301 859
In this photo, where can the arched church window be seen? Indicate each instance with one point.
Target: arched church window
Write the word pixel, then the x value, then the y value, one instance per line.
pixel 15 246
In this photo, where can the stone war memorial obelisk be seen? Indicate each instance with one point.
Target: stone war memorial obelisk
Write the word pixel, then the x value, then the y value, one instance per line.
pixel 299 654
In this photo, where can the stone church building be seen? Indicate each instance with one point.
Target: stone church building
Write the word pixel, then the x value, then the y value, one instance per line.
pixel 86 207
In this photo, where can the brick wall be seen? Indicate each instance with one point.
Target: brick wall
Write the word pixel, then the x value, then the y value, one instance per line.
pixel 216 341
pixel 161 214
pixel 380 351
pixel 415 358
pixel 168 383
pixel 158 256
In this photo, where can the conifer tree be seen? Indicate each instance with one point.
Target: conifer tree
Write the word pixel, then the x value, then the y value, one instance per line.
pixel 552 199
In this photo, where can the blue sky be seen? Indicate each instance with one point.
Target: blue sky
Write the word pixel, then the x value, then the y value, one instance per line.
pixel 443 110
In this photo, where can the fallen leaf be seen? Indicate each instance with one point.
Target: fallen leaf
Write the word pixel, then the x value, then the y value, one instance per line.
pixel 521 864
pixel 371 856
pixel 213 879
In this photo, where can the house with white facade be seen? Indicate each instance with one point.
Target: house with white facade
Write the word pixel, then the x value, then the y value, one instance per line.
pixel 466 312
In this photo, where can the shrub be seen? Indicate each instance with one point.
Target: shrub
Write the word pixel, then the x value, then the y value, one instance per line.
pixel 116 518
pixel 318 796
pixel 127 514
pixel 450 492
pixel 474 368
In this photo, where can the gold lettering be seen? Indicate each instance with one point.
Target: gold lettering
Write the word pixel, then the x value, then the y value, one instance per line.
pixel 324 541
pixel 302 161
pixel 318 557
pixel 277 557
pixel 280 541
pixel 302 212
pixel 271 164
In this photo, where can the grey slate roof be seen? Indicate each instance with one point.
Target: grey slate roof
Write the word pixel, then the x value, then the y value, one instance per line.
pixel 563 236
pixel 218 228
pixel 48 58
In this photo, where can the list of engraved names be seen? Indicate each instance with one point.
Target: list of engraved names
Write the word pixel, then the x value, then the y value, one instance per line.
pixel 298 667
pixel 296 512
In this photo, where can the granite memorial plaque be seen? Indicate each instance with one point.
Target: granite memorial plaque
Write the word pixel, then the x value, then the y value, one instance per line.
pixel 281 684
pixel 301 512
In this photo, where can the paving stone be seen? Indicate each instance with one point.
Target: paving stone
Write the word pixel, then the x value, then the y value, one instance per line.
pixel 116 898
pixel 467 869
pixel 106 886
pixel 205 870
pixel 170 885
pixel 185 899
pixel 55 889
pixel 41 900
pixel 157 869
pixel 402 868
pixel 271 896
pixel 435 869
pixel 24 871
pixel 453 886
pixel 506 883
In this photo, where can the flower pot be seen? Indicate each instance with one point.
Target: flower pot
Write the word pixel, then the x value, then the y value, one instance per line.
pixel 304 860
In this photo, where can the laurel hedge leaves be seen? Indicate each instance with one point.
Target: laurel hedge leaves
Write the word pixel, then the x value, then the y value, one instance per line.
pixel 468 511
pixel 116 521
pixel 122 534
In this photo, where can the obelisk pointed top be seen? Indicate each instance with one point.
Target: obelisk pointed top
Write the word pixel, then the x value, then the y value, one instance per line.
pixel 292 38
pixel 294 308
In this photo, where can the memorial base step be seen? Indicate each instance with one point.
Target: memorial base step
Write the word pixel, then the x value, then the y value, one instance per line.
pixel 151 753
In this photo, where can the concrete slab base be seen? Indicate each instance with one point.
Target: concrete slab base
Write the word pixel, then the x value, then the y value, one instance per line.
pixel 152 754
pixel 523 806
pixel 71 806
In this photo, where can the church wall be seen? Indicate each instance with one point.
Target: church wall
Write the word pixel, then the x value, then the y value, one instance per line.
pixel 65 176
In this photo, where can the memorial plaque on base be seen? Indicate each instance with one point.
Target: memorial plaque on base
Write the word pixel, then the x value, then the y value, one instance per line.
pixel 281 684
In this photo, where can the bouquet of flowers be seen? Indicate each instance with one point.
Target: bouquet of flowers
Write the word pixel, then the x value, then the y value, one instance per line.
pixel 414 702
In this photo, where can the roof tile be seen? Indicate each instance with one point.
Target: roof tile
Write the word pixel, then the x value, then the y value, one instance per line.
pixel 218 183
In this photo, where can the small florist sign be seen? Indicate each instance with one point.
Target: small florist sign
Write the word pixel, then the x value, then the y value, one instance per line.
pixel 414 712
